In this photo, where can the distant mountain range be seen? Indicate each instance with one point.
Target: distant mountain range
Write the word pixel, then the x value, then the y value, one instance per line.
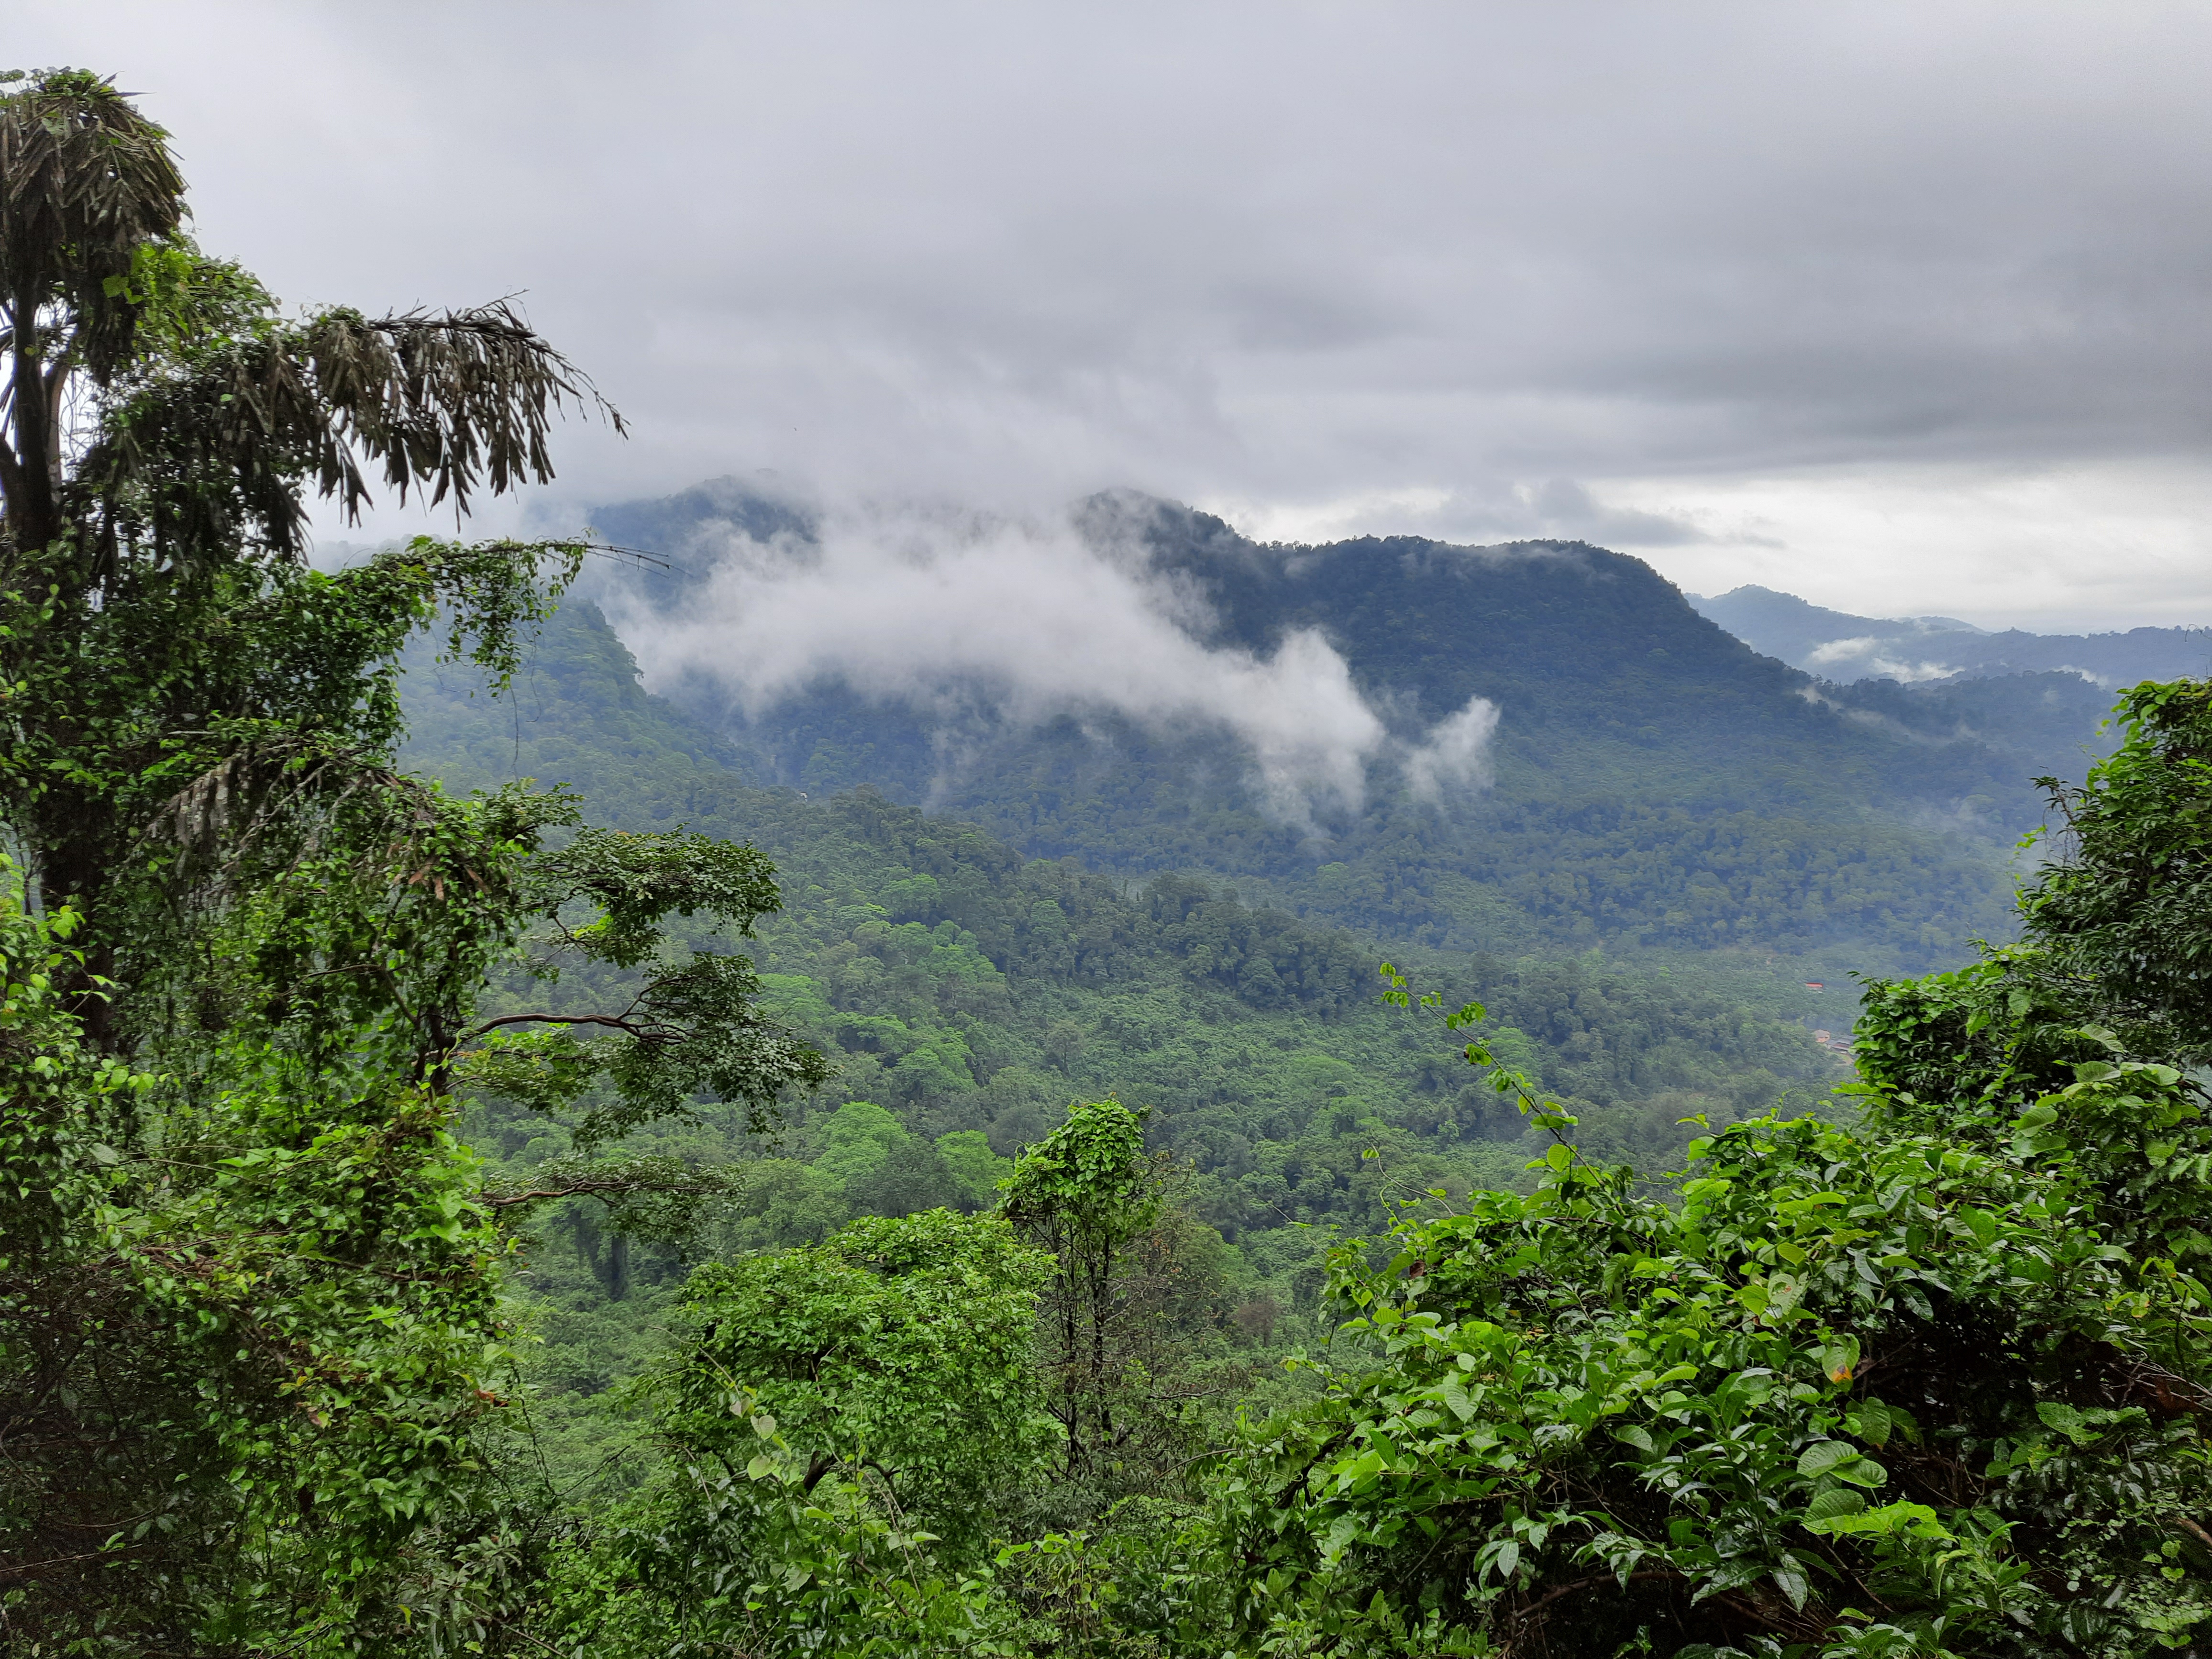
pixel 1837 645
pixel 1653 781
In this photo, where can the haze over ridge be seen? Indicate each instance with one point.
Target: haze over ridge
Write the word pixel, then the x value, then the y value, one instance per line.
pixel 962 657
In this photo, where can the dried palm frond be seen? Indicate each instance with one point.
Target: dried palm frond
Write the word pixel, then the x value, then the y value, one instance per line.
pixel 84 181
pixel 225 814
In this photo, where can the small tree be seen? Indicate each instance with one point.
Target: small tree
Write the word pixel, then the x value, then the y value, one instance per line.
pixel 898 1345
pixel 843 1423
pixel 172 675
pixel 1090 1195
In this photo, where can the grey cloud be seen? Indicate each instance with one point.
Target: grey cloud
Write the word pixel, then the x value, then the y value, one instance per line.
pixel 1569 509
pixel 1554 509
pixel 1264 252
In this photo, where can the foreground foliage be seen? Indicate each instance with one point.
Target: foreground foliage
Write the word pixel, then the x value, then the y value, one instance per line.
pixel 242 1341
pixel 1935 1381
pixel 1912 1386
pixel 250 1319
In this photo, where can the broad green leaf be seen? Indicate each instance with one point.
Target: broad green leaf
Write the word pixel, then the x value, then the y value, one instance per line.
pixel 2066 1420
pixel 1836 1500
pixel 1871 1422
pixel 1791 1582
pixel 1861 1471
pixel 1914 1520
pixel 1822 1456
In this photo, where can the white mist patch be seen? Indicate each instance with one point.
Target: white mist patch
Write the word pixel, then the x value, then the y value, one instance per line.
pixel 1456 755
pixel 941 610
pixel 1870 656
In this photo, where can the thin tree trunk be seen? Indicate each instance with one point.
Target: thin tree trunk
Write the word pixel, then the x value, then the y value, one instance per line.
pixel 34 493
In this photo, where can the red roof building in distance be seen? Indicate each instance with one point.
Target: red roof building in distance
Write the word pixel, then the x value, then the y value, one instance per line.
pixel 1814 985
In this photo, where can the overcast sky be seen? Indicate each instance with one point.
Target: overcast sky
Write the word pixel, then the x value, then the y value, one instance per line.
pixel 1902 307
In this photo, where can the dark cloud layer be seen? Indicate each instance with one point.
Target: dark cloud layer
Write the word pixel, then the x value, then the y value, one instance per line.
pixel 1764 291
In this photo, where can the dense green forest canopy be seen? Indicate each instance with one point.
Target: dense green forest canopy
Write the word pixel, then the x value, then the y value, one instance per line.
pixel 1928 1378
pixel 969 988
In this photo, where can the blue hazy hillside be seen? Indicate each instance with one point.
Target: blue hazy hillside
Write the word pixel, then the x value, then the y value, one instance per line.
pixel 1840 647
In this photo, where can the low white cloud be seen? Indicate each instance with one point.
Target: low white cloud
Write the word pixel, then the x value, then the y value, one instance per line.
pixel 1835 650
pixel 1868 657
pixel 1018 620
pixel 2102 682
pixel 1455 753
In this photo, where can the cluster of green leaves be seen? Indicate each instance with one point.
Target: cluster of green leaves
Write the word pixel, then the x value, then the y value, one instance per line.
pixel 176 733
pixel 899 1344
pixel 2125 914
pixel 1902 1387
pixel 841 1425
pixel 244 1336
pixel 690 1030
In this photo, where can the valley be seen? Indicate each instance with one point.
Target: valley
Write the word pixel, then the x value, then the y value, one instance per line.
pixel 1079 907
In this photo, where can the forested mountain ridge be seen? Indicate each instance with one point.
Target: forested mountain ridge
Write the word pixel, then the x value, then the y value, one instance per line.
pixel 965 994
pixel 1656 781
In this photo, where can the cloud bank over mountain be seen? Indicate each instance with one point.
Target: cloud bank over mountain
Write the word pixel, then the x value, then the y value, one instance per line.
pixel 1019 620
